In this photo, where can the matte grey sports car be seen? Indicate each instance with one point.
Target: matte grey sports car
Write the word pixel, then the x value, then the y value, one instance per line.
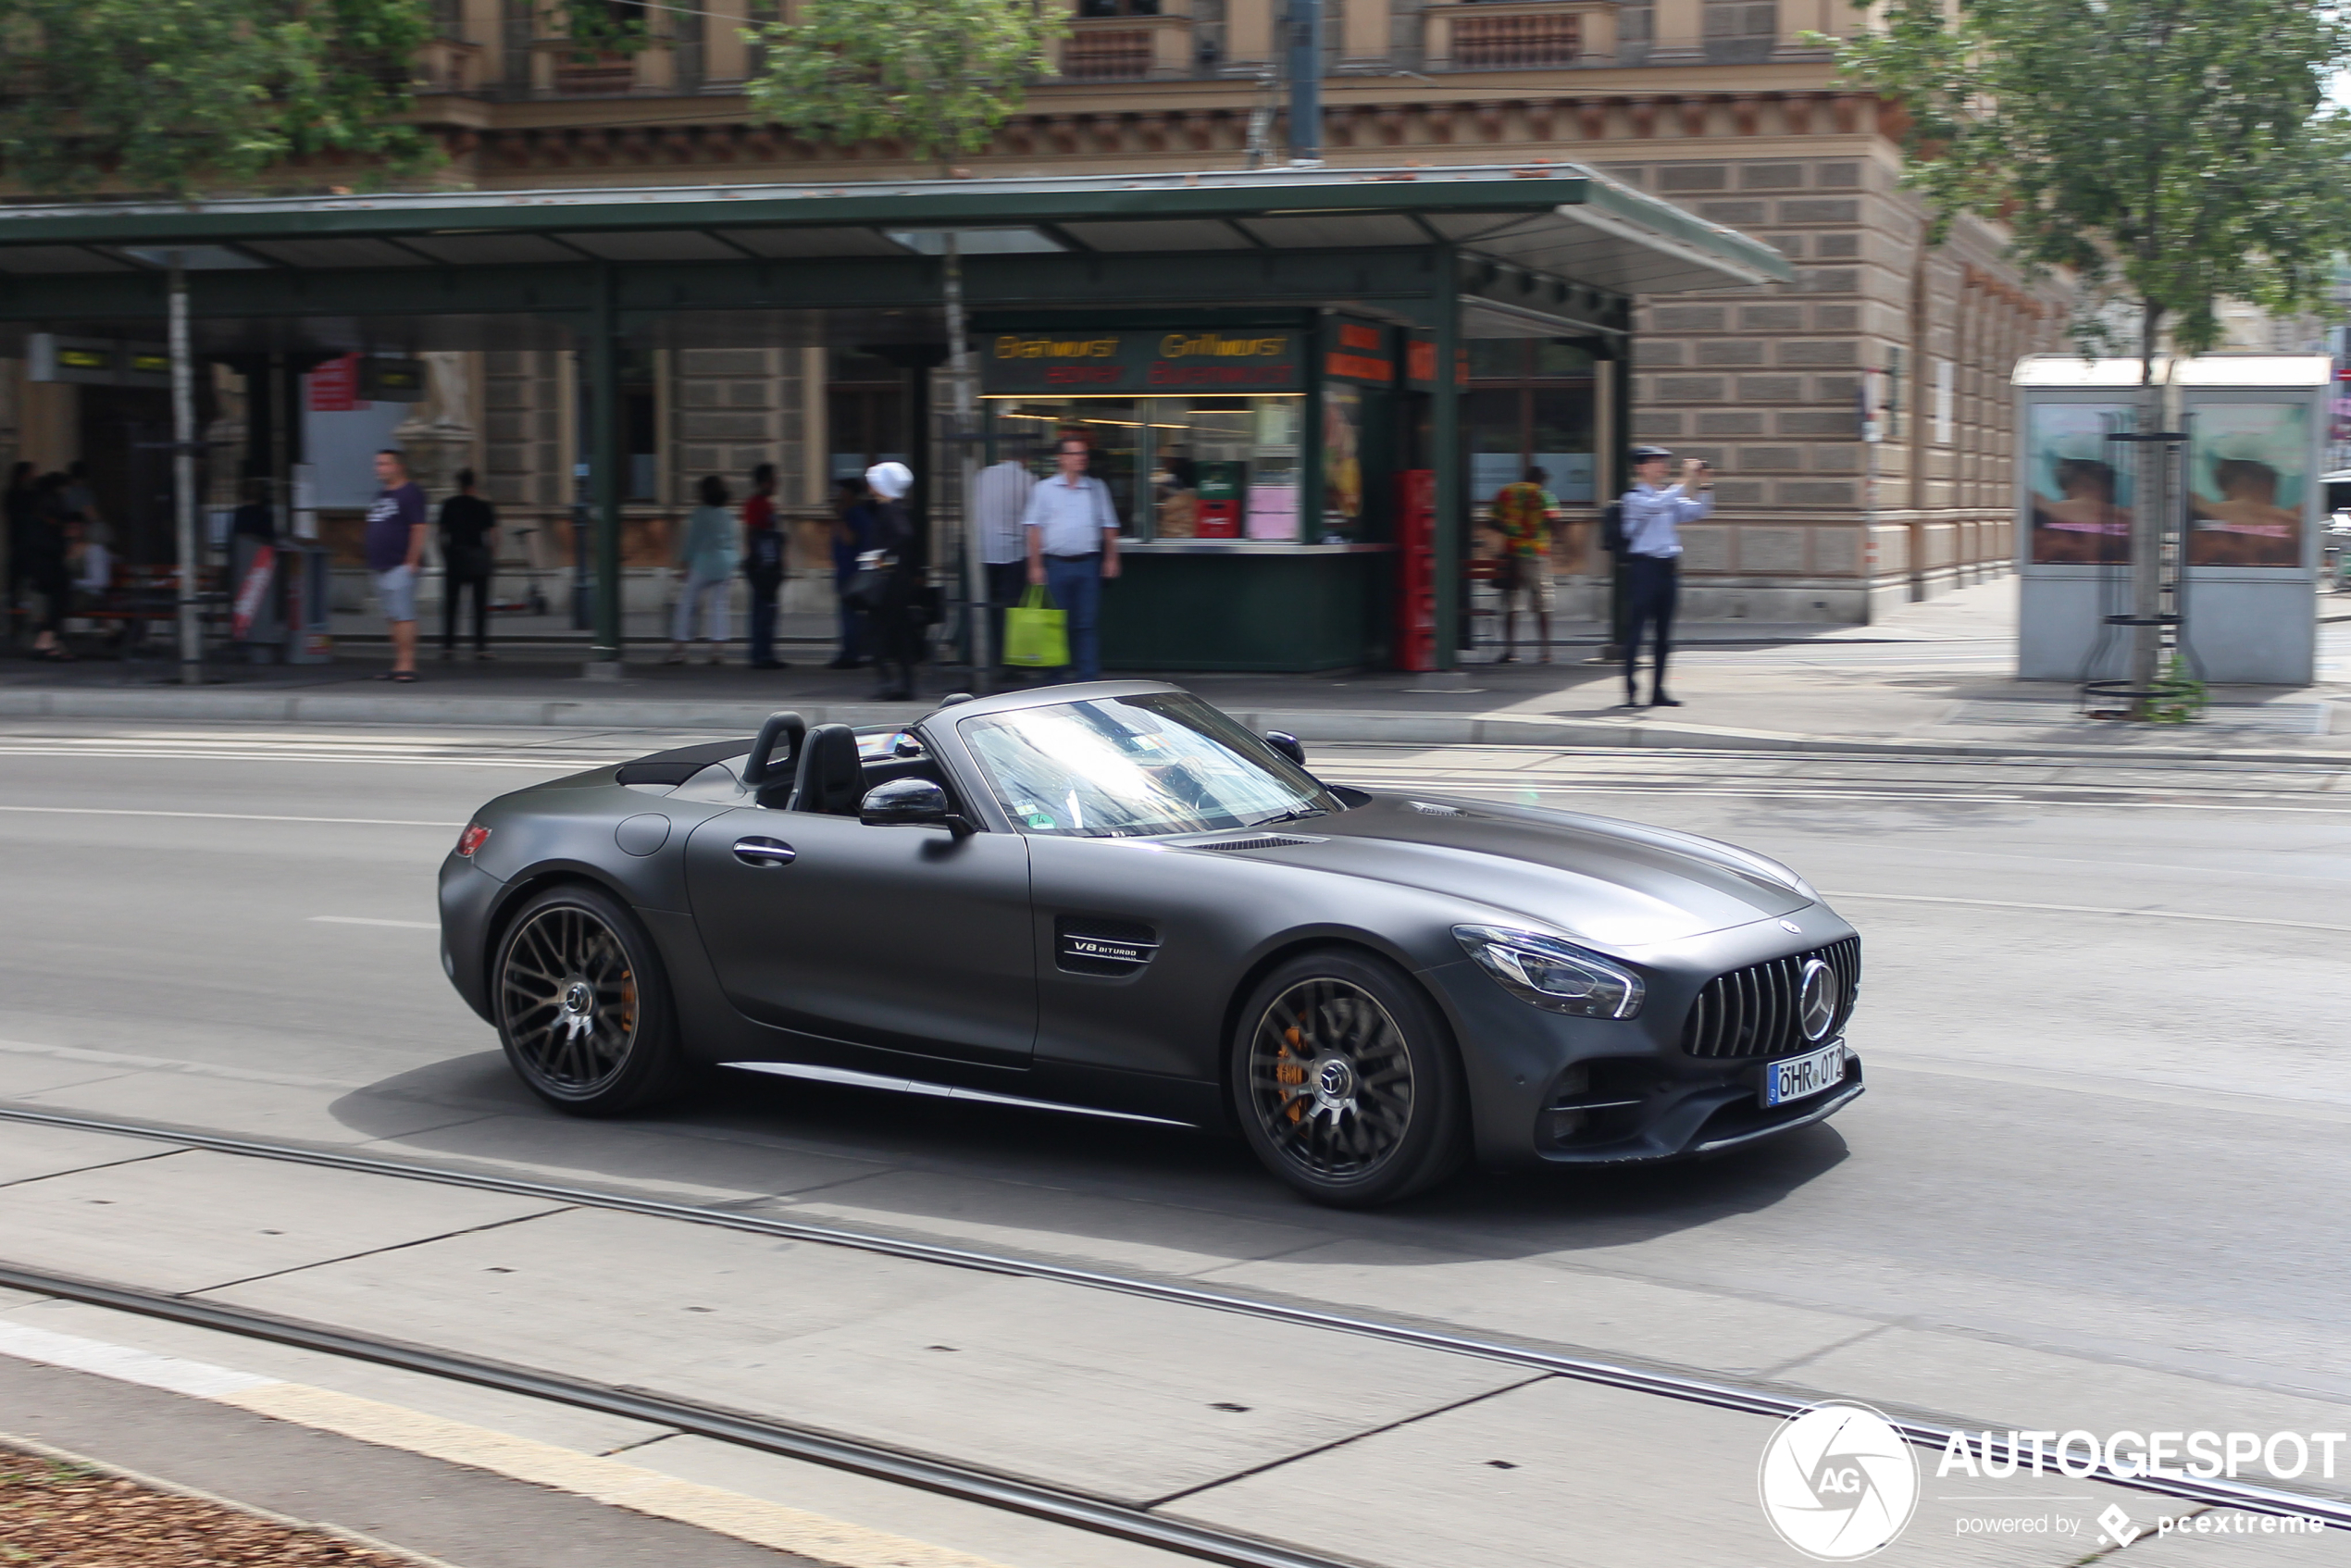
pixel 1112 898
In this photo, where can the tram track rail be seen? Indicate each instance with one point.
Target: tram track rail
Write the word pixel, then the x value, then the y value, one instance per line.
pixel 1101 1515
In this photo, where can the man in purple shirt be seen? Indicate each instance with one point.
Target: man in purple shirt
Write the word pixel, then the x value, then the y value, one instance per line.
pixel 395 545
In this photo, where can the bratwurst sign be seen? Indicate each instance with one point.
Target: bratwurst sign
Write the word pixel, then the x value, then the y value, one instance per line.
pixel 1142 364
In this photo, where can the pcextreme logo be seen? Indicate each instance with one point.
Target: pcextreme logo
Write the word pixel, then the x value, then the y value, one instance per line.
pixel 1837 1481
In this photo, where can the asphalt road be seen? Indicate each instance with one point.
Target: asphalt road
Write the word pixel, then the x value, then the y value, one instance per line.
pixel 2101 1015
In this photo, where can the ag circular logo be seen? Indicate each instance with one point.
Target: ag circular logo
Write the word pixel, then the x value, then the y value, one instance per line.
pixel 1816 1000
pixel 1837 1482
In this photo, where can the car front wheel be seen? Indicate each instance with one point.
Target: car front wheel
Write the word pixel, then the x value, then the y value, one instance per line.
pixel 1345 1082
pixel 583 1006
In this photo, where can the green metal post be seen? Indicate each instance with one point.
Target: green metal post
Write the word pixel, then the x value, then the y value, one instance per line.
pixel 1445 441
pixel 604 467
pixel 1620 389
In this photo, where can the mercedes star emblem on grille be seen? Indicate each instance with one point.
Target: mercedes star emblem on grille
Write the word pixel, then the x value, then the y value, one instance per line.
pixel 1817 999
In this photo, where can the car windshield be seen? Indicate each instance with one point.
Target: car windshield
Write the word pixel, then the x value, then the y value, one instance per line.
pixel 1119 768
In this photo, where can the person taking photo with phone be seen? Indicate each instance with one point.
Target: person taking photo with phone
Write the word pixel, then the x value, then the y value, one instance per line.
pixel 1654 512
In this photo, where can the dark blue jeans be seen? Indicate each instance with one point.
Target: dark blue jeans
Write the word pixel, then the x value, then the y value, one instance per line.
pixel 1652 584
pixel 1076 583
pixel 762 623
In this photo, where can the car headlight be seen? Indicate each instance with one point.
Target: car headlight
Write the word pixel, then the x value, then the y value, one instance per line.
pixel 1555 975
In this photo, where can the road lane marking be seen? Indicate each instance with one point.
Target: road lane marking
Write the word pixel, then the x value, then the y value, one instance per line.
pixel 1518 786
pixel 2092 909
pixel 365 920
pixel 233 816
pixel 608 1481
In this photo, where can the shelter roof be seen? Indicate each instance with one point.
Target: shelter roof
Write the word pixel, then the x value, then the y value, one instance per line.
pixel 1560 219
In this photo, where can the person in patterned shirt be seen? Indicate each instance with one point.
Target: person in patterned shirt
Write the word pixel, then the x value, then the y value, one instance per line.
pixel 1523 514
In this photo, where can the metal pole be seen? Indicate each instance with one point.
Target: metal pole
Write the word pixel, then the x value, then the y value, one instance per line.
pixel 1306 84
pixel 1620 395
pixel 183 480
pixel 1445 441
pixel 604 474
pixel 2148 522
pixel 976 619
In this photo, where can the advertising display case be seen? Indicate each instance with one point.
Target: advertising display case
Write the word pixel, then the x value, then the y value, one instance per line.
pixel 2243 542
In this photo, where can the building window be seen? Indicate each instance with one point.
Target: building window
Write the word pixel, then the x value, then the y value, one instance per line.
pixel 1118 8
pixel 1529 405
pixel 1636 28
pixel 865 414
pixel 1741 30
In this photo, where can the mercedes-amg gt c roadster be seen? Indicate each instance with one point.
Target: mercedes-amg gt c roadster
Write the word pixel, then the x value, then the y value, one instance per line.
pixel 1112 898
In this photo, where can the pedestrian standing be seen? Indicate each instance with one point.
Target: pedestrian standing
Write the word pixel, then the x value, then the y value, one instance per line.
pixel 469 557
pixel 765 564
pixel 1654 513
pixel 19 503
pixel 42 564
pixel 1073 548
pixel 1000 497
pixel 892 631
pixel 1521 513
pixel 706 556
pixel 853 535
pixel 83 500
pixel 395 545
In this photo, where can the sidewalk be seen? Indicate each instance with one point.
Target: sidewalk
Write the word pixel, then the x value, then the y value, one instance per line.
pixel 1930 678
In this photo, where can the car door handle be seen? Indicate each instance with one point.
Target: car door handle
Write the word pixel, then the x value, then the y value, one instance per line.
pixel 764 852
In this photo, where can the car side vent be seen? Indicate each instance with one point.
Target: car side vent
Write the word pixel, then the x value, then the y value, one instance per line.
pixel 1270 841
pixel 1094 945
pixel 1430 808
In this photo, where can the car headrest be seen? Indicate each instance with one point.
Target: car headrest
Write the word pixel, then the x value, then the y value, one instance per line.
pixel 773 754
pixel 831 777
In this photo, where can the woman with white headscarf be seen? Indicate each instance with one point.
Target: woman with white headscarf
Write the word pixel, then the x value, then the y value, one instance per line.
pixel 891 630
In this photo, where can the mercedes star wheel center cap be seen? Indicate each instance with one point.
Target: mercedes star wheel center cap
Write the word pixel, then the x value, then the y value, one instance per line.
pixel 1817 999
pixel 580 1005
pixel 1335 1086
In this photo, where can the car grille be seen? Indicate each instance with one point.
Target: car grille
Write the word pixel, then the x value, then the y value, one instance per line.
pixel 1756 1010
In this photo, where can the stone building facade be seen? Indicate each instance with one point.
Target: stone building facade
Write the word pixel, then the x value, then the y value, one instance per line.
pixel 1725 107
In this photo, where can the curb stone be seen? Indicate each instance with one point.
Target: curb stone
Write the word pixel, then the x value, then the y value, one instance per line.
pixel 1330 726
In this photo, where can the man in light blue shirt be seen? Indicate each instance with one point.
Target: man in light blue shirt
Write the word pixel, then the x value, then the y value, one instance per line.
pixel 1073 546
pixel 1654 513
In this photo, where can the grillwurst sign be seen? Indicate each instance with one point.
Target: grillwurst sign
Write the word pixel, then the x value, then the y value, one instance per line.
pixel 1143 364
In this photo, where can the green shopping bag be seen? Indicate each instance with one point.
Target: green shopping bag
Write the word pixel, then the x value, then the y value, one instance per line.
pixel 1035 636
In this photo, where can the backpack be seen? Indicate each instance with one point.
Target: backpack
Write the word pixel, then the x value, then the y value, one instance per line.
pixel 1612 528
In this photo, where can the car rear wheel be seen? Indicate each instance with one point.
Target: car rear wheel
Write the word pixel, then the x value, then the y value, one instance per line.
pixel 583 1006
pixel 1345 1082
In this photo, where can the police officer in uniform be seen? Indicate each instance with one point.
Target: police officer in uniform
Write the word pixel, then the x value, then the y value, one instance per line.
pixel 1654 512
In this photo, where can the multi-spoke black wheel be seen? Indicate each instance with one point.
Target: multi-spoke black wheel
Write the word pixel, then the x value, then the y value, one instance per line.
pixel 582 1008
pixel 1346 1083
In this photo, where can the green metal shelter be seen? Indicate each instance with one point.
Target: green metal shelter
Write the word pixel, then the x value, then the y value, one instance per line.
pixel 1366 280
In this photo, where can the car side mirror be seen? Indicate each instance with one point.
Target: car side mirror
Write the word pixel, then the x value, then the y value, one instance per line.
pixel 910 802
pixel 1286 743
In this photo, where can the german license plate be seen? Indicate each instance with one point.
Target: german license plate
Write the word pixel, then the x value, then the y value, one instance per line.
pixel 1799 1077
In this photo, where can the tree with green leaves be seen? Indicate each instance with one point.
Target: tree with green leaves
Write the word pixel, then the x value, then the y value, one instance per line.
pixel 936 77
pixel 2170 154
pixel 185 97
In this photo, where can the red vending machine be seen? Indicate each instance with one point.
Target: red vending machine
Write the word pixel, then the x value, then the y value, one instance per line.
pixel 1416 569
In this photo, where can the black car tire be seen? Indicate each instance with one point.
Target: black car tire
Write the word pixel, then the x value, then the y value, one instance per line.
pixel 1345 1081
pixel 583 1006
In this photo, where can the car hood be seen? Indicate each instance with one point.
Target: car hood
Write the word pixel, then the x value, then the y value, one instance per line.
pixel 1612 884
